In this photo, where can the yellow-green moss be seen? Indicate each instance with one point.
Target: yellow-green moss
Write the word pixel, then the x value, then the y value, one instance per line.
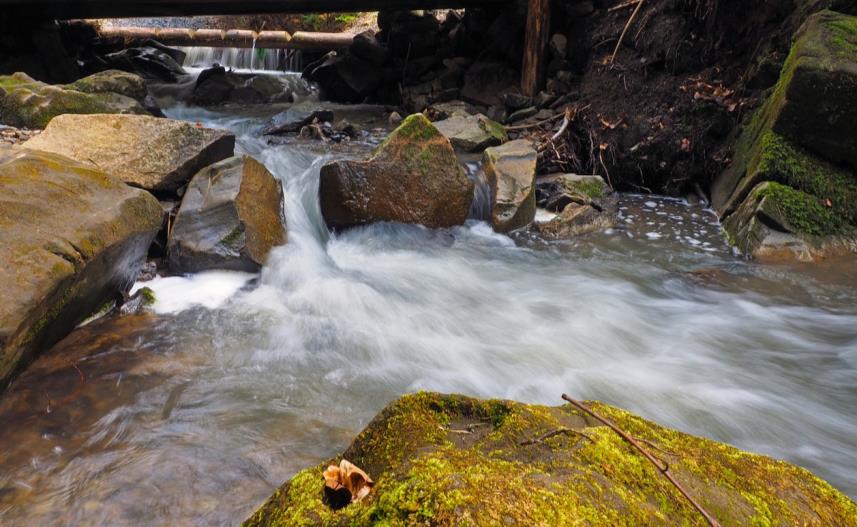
pixel 804 213
pixel 450 460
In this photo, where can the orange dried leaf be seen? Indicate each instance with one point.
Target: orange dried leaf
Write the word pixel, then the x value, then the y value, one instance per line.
pixel 350 477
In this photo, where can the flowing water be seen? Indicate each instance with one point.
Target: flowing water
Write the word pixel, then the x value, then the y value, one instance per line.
pixel 195 415
pixel 245 60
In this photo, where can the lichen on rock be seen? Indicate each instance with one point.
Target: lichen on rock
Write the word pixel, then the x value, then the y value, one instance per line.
pixel 449 460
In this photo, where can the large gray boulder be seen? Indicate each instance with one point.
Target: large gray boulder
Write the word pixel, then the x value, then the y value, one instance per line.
pixel 156 154
pixel 413 177
pixel 26 102
pixel 230 218
pixel 73 238
pixel 511 171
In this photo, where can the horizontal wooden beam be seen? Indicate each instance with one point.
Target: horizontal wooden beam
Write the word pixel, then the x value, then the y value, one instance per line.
pixel 233 38
pixel 71 9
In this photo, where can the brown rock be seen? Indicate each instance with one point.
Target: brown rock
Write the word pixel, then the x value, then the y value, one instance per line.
pixel 413 177
pixel 148 152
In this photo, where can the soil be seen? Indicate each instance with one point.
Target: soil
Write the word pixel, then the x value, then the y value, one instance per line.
pixel 662 115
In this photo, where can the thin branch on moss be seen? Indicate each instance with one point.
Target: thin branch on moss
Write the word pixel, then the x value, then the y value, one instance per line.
pixel 662 467
pixel 553 433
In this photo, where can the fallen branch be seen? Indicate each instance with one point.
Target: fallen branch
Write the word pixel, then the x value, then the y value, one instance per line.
pixel 569 116
pixel 536 124
pixel 623 6
pixel 662 468
pixel 625 30
pixel 553 433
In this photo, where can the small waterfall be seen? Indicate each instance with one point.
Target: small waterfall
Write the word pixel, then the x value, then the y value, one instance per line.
pixel 244 59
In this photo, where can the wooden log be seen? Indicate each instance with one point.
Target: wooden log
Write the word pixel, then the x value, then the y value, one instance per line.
pixel 233 38
pixel 72 9
pixel 535 46
pixel 318 41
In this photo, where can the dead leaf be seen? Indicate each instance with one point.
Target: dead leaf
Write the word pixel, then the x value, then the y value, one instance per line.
pixel 828 203
pixel 348 477
pixel 685 144
pixel 603 146
pixel 607 124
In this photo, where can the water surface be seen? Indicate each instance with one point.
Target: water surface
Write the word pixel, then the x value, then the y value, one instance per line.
pixel 194 415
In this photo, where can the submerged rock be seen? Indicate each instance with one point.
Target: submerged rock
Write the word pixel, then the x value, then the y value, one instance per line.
pixel 511 171
pixel 230 218
pixel 296 117
pixel 584 204
pixel 155 154
pixel 449 460
pixel 28 103
pixel 413 177
pixel 796 139
pixel 73 238
pixel 472 133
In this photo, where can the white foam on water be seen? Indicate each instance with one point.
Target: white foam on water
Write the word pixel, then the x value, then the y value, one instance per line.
pixel 211 290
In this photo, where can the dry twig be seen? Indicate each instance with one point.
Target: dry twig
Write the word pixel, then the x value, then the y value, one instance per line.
pixel 553 433
pixel 623 5
pixel 662 466
pixel 625 30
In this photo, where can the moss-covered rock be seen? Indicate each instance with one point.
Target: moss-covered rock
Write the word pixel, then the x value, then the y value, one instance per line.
pixel 447 460
pixel 148 152
pixel 73 238
pixel 112 81
pixel 412 177
pixel 472 133
pixel 814 101
pixel 583 204
pixel 511 171
pixel 803 136
pixel 230 218
pixel 26 102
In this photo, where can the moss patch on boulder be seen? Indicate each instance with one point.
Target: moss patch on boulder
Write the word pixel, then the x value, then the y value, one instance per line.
pixel 448 460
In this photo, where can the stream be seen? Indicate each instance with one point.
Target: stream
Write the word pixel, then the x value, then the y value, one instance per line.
pixel 195 415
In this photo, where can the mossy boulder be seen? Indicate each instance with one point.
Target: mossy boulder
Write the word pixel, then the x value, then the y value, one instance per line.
pixel 73 238
pixel 472 133
pixel 777 222
pixel 803 137
pixel 26 102
pixel 156 154
pixel 583 204
pixel 448 460
pixel 814 102
pixel 112 81
pixel 412 177
pixel 511 172
pixel 230 218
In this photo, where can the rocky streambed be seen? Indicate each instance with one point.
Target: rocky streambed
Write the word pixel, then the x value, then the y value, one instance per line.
pixel 307 263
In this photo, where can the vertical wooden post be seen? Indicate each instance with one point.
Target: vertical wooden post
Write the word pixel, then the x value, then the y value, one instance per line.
pixel 535 46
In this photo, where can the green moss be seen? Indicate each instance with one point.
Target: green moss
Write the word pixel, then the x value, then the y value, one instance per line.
pixel 148 296
pixel 782 161
pixel 805 214
pixel 493 129
pixel 592 189
pixel 450 460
